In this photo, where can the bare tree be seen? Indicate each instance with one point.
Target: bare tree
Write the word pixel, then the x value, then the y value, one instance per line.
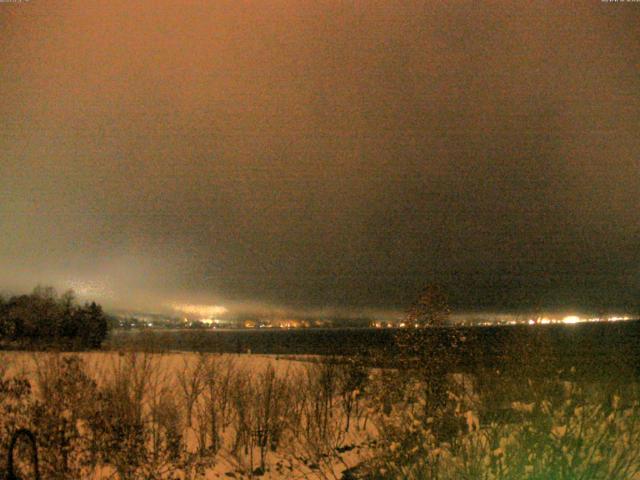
pixel 352 376
pixel 428 348
pixel 191 382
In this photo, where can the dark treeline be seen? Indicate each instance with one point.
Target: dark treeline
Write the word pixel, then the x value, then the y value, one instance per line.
pixel 44 318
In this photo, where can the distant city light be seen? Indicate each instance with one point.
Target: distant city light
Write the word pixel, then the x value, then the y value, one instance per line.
pixel 547 319
pixel 571 319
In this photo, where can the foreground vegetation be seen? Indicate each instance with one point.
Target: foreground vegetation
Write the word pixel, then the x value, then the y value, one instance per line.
pixel 151 416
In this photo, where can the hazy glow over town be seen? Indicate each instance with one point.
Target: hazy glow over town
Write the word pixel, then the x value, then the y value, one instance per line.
pixel 202 311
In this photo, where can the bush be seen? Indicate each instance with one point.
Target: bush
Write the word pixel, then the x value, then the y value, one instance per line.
pixel 555 430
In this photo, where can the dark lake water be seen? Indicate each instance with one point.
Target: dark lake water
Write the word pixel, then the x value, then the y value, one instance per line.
pixel 595 347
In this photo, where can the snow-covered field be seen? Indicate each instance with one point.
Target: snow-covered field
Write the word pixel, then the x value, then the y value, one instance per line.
pixel 202 415
pixel 134 415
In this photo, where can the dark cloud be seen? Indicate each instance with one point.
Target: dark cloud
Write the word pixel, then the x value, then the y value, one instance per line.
pixel 322 155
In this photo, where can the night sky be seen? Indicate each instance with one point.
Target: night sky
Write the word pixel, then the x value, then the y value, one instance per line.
pixel 322 156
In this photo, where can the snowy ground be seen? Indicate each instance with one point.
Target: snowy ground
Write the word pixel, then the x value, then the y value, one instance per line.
pixel 161 375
